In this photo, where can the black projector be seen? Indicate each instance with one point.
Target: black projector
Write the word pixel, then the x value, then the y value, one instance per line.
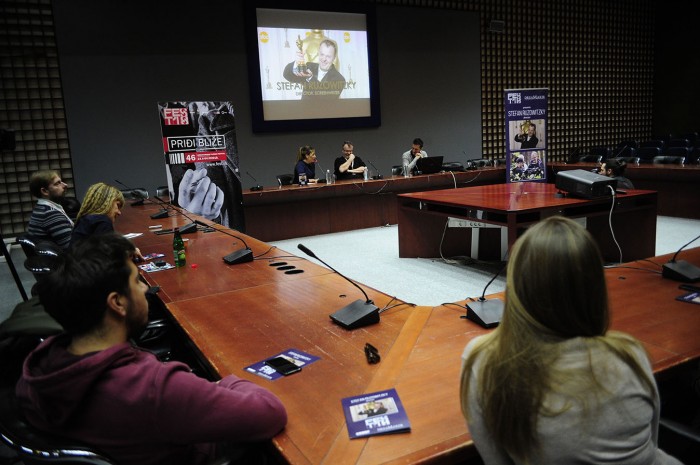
pixel 586 184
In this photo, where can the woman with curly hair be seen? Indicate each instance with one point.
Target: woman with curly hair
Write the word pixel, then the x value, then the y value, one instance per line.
pixel 100 208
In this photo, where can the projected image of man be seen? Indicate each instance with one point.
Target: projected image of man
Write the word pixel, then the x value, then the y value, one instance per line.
pixel 319 80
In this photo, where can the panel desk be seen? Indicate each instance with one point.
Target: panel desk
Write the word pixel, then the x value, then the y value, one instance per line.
pixel 678 186
pixel 239 314
pixel 277 213
pixel 423 217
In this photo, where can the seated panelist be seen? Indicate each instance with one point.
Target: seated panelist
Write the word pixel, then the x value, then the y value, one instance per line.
pixel 306 164
pixel 349 166
pixel 411 157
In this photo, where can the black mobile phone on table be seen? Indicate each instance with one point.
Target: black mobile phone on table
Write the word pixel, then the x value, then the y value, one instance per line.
pixel 282 366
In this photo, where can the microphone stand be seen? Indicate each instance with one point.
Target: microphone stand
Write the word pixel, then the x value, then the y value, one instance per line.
pixel 239 256
pixel 378 176
pixel 681 270
pixel 256 187
pixel 485 313
pixel 356 314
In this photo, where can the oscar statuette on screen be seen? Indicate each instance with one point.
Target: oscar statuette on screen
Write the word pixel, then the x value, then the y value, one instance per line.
pixel 301 64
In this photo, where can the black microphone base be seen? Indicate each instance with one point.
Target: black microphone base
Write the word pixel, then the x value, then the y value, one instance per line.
pixel 160 214
pixel 239 256
pixel 486 313
pixel 356 315
pixel 682 271
pixel 256 188
pixel 188 228
pixel 379 176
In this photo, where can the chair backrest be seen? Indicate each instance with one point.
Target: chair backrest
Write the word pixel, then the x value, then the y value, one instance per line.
pixel 647 153
pixel 677 151
pixel 693 156
pixel 285 179
pixel 624 151
pixel 396 170
pixel 669 160
pixel 601 151
pixel 28 245
pixel 678 142
pixel 590 158
pixel 628 160
pixel 653 143
pixel 626 143
pixel 35 447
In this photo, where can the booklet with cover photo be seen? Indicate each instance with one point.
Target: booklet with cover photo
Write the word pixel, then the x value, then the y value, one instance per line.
pixel 375 413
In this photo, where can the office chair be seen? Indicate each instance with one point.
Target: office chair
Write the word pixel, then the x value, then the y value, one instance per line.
pixel 590 158
pixel 602 151
pixel 628 160
pixel 653 143
pixel 285 179
pixel 678 142
pixel 624 151
pixel 677 151
pixel 669 160
pixel 626 143
pixel 646 154
pixel 397 170
pixel 34 447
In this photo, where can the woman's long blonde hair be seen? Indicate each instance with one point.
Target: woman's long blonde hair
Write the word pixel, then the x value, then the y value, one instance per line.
pixel 555 290
pixel 99 199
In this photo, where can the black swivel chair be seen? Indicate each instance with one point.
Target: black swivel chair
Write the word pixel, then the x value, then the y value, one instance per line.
pixel 285 179
pixel 602 151
pixel 628 160
pixel 669 160
pixel 647 154
pixel 36 448
pixel 590 158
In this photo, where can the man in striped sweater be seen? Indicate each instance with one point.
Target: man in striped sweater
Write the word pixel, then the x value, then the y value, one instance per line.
pixel 49 220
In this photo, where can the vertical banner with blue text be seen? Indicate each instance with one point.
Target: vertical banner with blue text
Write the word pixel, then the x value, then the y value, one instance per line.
pixel 201 158
pixel 526 134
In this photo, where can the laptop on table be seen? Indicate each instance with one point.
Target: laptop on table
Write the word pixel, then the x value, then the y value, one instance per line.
pixel 429 165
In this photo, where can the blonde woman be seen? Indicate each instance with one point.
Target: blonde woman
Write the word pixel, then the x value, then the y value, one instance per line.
pixel 551 384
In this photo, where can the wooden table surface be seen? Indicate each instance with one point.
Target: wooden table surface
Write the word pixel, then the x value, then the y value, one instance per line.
pixel 240 314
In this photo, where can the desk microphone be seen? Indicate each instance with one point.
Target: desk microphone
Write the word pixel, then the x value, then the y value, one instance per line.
pixel 470 164
pixel 139 193
pixel 486 313
pixel 681 270
pixel 256 187
pixel 378 176
pixel 355 315
pixel 234 258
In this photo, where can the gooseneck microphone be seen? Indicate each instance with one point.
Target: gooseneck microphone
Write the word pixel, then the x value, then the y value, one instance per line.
pixel 256 187
pixel 355 315
pixel 681 270
pixel 378 176
pixel 239 256
pixel 486 313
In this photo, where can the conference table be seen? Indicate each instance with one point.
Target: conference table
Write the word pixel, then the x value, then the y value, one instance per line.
pixel 423 231
pixel 283 212
pixel 237 315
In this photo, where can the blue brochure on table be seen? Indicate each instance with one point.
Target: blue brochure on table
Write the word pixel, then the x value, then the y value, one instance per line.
pixel 375 413
pixel 297 357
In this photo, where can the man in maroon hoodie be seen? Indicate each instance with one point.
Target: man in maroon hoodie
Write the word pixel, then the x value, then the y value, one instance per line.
pixel 91 384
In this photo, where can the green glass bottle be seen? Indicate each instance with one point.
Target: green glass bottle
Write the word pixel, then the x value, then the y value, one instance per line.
pixel 179 249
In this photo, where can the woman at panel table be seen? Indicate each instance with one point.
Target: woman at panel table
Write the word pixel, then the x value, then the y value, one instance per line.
pixel 306 164
pixel 100 208
pixel 551 384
